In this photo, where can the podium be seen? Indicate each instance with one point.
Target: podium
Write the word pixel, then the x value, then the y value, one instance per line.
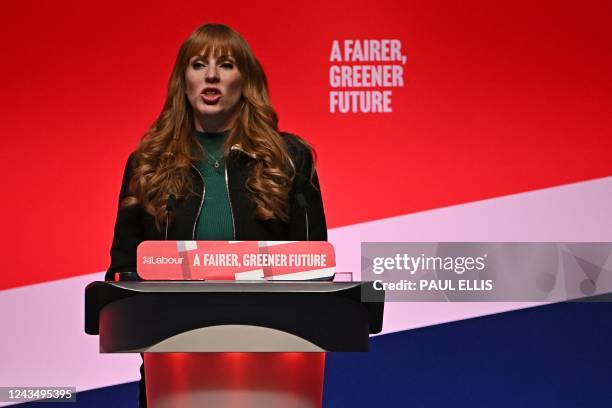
pixel 222 343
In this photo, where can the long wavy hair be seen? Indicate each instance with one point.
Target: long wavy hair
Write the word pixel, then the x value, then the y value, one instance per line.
pixel 164 157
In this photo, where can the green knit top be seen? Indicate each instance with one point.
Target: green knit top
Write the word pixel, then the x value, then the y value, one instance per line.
pixel 215 219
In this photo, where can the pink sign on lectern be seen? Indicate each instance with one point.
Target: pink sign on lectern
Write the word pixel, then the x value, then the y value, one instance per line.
pixel 235 260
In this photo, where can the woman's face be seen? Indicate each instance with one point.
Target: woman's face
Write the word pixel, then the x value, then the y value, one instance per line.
pixel 214 89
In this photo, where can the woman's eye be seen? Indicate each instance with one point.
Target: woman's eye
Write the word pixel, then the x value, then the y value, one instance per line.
pixel 197 65
pixel 227 65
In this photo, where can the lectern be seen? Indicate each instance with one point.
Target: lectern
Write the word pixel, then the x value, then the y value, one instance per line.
pixel 243 344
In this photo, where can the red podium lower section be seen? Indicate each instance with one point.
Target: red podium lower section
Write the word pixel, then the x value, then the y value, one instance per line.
pixel 234 380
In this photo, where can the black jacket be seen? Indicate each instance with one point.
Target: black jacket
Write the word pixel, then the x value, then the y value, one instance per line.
pixel 306 222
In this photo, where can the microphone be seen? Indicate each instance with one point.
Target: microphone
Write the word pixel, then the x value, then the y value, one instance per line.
pixel 170 207
pixel 302 203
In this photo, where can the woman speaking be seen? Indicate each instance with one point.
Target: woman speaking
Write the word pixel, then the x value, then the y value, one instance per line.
pixel 214 166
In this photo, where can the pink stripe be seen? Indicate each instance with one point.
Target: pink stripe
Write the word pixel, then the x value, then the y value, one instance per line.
pixel 47 345
pixel 574 212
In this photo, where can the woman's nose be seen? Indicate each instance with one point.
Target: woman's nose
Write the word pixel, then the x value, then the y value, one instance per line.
pixel 212 73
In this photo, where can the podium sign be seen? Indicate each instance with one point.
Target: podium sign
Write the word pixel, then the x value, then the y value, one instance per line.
pixel 235 260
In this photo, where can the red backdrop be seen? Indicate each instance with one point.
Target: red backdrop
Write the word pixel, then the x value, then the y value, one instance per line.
pixel 498 98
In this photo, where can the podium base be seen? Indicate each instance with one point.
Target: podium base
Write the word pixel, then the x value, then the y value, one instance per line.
pixel 234 380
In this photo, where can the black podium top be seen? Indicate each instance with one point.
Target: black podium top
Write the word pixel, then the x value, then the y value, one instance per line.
pixel 134 315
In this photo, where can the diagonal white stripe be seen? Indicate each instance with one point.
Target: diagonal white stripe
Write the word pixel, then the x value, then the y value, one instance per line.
pixel 572 213
pixel 304 275
pixel 257 274
pixel 48 345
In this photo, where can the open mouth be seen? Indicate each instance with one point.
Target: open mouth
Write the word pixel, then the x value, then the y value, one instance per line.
pixel 211 95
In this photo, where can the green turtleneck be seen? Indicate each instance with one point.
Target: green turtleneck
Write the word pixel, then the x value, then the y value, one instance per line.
pixel 215 220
